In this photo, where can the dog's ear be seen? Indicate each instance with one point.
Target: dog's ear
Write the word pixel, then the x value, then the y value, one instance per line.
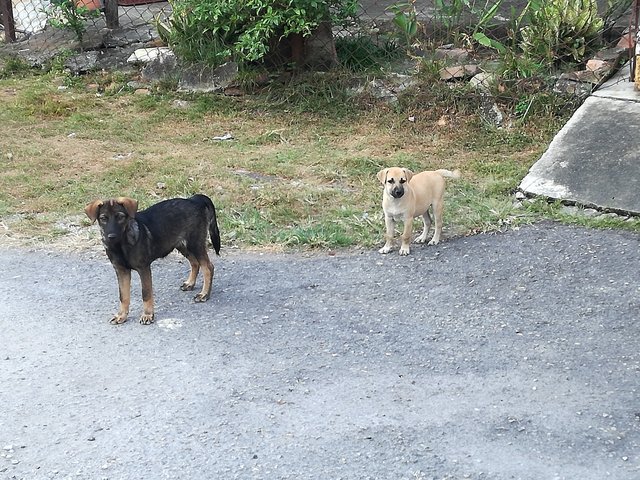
pixel 129 204
pixel 92 210
pixel 408 173
pixel 382 175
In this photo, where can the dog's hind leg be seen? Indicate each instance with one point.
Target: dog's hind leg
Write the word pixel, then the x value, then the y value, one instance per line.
pixel 207 274
pixel 438 207
pixel 147 296
pixel 196 253
pixel 190 282
pixel 426 221
pixel 124 289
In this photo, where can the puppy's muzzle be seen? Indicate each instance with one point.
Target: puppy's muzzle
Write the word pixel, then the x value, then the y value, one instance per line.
pixel 397 192
pixel 111 238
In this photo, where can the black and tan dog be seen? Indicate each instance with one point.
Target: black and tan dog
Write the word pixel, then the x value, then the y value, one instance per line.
pixel 406 196
pixel 134 239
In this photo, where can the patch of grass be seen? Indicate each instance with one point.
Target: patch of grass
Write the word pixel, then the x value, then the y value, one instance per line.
pixel 300 170
pixel 14 67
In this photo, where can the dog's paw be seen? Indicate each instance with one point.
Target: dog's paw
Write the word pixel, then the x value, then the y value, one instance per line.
pixel 201 297
pixel 384 249
pixel 118 319
pixel 146 318
pixel 434 241
pixel 185 287
pixel 404 251
pixel 421 239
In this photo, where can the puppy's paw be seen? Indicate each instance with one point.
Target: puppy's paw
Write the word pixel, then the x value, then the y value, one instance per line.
pixel 146 318
pixel 385 249
pixel 118 319
pixel 185 287
pixel 421 239
pixel 201 297
pixel 404 251
pixel 434 241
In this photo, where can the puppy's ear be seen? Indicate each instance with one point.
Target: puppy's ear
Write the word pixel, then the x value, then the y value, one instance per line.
pixel 92 210
pixel 408 173
pixel 129 204
pixel 382 175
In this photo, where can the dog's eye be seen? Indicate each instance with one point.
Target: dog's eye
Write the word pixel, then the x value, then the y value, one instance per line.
pixel 391 181
pixel 120 216
pixel 103 218
pixel 403 180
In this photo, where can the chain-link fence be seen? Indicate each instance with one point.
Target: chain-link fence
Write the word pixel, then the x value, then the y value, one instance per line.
pixel 32 22
pixel 379 32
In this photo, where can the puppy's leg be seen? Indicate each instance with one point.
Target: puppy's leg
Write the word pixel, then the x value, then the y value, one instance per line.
pixel 437 216
pixel 124 290
pixel 196 252
pixel 426 221
pixel 406 236
pixel 190 282
pixel 207 273
pixel 147 296
pixel 390 225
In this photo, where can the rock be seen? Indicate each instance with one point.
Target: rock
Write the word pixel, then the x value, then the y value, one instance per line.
pixel 163 66
pixel 83 62
pixel 389 88
pixel 597 64
pixel 459 72
pixel 626 42
pixel 583 76
pixel 180 104
pixel 490 111
pixel 206 79
pixel 147 55
pixel 448 52
pixel 611 55
pixel 569 86
pixel 570 210
pixel 482 81
pixel 590 212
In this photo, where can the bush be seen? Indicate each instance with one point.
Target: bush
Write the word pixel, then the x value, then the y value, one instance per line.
pixel 561 30
pixel 214 31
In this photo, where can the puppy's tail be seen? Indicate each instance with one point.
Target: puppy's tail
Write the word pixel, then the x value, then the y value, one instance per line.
pixel 214 231
pixel 449 173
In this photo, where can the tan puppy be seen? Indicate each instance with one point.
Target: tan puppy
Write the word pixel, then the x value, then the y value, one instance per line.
pixel 407 196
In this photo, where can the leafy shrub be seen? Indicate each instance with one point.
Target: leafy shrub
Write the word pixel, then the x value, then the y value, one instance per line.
pixel 68 15
pixel 214 31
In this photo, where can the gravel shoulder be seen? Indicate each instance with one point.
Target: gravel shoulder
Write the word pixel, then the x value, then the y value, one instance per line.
pixel 505 356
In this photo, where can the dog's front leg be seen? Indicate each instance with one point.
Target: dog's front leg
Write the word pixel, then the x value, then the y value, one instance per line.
pixel 406 236
pixel 147 296
pixel 390 225
pixel 124 289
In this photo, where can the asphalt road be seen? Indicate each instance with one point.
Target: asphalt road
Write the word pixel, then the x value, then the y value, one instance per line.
pixel 508 356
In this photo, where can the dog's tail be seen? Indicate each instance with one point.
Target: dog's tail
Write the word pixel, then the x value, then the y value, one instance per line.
pixel 449 173
pixel 214 231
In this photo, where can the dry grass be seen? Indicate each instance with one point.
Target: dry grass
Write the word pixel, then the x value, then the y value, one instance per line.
pixel 295 173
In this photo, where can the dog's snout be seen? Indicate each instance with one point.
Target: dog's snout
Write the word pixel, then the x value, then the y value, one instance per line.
pixel 398 191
